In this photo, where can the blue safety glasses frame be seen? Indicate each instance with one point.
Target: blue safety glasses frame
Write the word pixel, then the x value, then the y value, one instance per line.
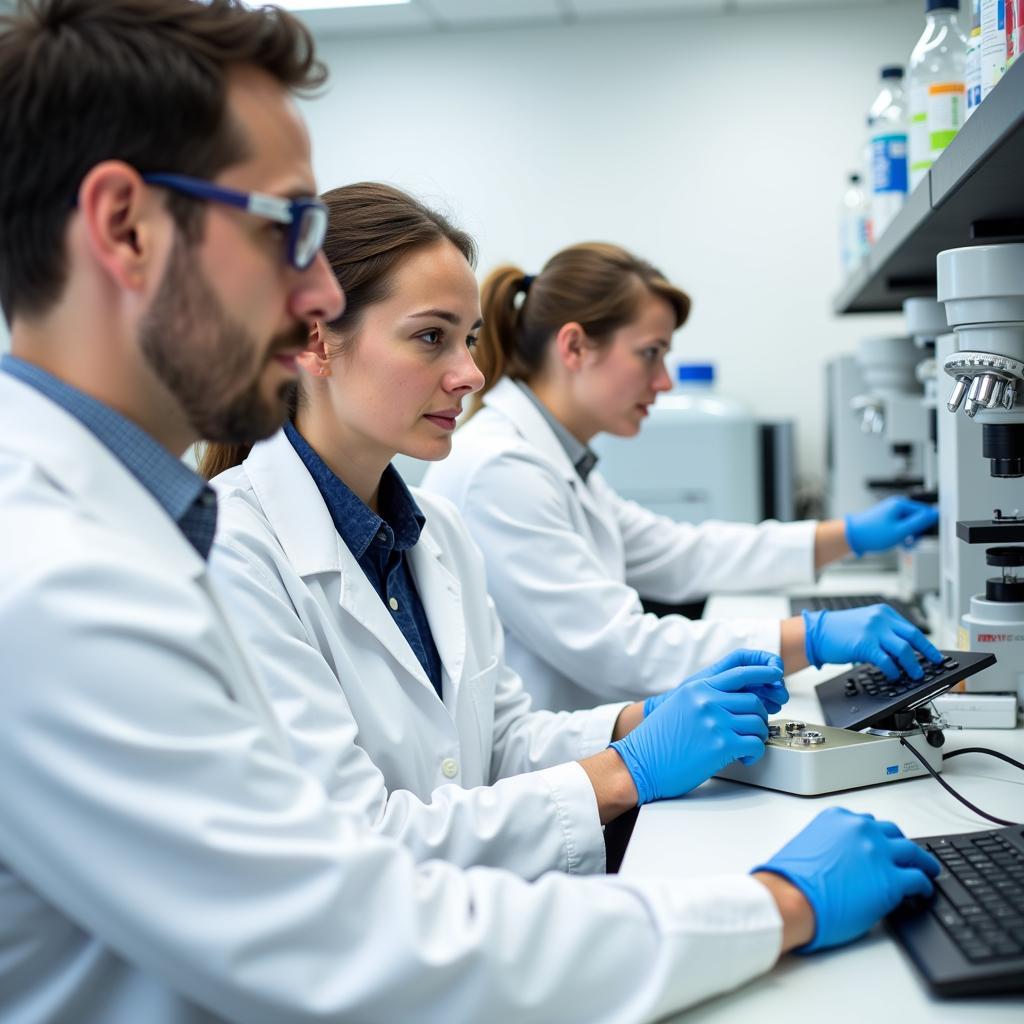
pixel 306 218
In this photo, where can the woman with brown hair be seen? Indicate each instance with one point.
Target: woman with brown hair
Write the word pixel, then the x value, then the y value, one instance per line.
pixel 574 351
pixel 365 604
pixel 365 608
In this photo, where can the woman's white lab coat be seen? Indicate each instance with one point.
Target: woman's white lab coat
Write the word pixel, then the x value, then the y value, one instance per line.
pixel 566 561
pixel 478 779
pixel 162 857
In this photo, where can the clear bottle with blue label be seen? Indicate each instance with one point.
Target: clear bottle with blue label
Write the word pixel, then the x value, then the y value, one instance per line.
pixel 972 73
pixel 889 168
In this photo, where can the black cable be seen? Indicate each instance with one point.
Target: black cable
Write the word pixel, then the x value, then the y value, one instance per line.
pixel 952 792
pixel 983 750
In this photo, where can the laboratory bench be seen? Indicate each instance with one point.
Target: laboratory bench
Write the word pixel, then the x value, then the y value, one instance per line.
pixel 727 827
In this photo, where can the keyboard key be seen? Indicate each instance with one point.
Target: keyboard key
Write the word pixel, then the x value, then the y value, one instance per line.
pixel 976 951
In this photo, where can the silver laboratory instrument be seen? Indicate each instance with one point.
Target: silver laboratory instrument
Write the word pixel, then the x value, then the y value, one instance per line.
pixel 981 458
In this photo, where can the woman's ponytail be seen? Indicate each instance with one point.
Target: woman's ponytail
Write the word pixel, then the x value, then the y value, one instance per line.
pixel 497 346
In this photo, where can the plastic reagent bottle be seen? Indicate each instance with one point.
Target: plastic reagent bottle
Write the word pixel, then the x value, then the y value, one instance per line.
pixel 854 229
pixel 889 179
pixel 972 74
pixel 993 44
pixel 936 86
pixel 1015 43
pixel 1013 12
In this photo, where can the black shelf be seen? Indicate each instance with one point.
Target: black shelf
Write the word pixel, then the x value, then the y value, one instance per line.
pixel 973 193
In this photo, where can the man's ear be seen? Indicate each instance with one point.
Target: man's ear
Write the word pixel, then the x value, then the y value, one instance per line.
pixel 571 345
pixel 123 221
pixel 316 360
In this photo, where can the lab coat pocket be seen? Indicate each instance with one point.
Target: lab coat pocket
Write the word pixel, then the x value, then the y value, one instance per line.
pixel 482 687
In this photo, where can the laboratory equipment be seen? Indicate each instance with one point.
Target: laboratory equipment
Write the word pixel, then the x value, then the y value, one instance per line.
pixel 982 288
pixel 891 405
pixel 966 940
pixel 809 760
pixel 864 696
pixel 852 456
pixel 698 456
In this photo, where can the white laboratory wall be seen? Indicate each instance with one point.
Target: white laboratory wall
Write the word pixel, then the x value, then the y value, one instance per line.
pixel 5 339
pixel 717 147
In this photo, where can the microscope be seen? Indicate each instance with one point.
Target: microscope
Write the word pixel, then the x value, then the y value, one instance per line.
pixel 981 461
pixel 853 455
pixel 898 404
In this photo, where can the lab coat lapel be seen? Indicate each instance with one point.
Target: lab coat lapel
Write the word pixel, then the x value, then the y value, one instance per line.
pixel 80 465
pixel 359 600
pixel 507 398
pixel 296 510
pixel 83 467
pixel 441 594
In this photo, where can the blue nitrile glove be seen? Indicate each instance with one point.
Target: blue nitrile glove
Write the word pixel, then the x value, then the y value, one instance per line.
pixel 893 521
pixel 875 633
pixel 853 871
pixel 696 731
pixel 773 694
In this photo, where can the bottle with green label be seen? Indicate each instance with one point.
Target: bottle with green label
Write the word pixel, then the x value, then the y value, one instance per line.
pixel 936 86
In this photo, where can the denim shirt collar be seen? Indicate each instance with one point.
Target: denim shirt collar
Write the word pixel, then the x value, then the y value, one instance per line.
pixel 400 523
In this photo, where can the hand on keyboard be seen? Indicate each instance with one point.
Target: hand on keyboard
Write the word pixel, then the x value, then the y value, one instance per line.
pixel 875 634
pixel 853 870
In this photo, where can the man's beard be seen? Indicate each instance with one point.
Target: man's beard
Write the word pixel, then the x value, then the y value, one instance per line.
pixel 209 362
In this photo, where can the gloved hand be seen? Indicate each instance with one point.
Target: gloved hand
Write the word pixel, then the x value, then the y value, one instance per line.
pixel 773 694
pixel 698 729
pixel 875 633
pixel 853 870
pixel 895 520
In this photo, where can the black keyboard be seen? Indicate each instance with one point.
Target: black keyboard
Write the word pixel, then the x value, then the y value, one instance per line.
pixel 863 695
pixel 970 937
pixel 840 602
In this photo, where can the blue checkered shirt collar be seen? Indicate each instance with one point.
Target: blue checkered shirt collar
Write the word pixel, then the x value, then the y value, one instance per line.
pixel 400 523
pixel 184 496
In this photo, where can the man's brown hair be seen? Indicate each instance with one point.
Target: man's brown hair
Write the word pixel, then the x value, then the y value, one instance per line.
pixel 143 81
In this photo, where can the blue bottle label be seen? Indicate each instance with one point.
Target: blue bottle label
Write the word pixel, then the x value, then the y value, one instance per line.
pixel 889 163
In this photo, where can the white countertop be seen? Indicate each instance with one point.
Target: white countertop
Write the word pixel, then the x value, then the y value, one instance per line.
pixel 728 826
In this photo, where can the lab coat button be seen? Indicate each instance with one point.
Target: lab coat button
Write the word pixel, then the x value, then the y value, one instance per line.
pixel 449 767
pixel 393 603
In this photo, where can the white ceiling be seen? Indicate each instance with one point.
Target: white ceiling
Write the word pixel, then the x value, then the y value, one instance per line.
pixel 449 15
pixel 452 15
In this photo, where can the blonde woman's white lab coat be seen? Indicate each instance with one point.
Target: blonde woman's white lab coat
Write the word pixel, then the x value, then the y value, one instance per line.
pixel 478 779
pixel 164 859
pixel 566 561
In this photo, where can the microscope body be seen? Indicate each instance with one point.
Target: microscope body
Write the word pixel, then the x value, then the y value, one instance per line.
pixel 981 459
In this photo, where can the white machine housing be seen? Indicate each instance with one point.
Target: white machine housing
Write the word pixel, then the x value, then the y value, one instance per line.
pixel 697 457
pixel 842 759
pixel 852 455
pixel 982 288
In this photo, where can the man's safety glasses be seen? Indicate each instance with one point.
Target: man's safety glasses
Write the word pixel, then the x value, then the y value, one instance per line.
pixel 306 218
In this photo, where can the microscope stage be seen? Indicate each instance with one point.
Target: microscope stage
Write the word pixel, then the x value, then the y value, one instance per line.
pixel 809 760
